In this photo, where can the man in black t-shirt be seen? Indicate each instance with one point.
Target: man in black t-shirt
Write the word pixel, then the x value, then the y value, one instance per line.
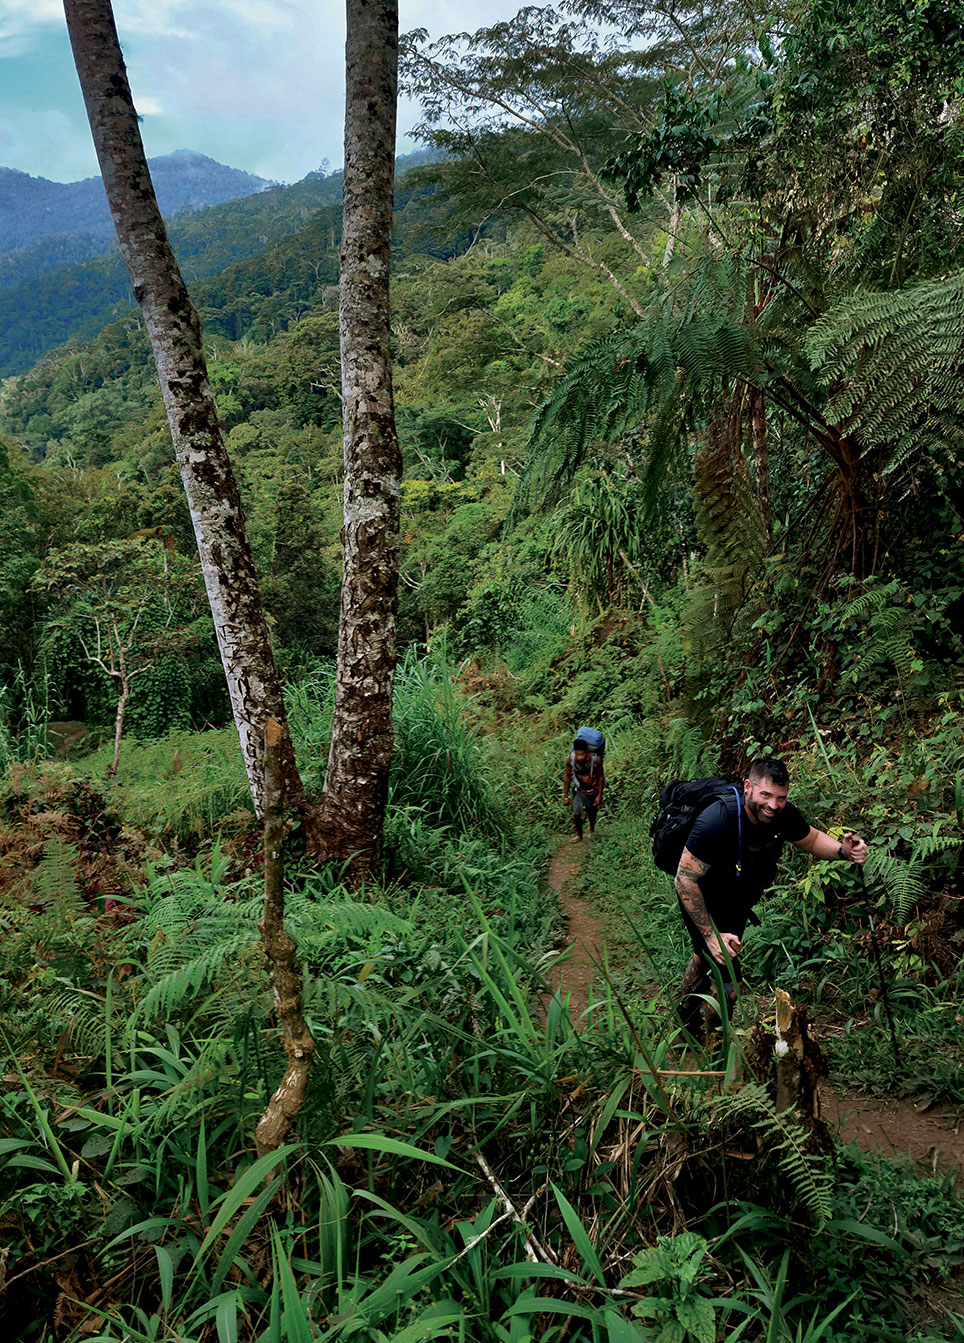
pixel 729 861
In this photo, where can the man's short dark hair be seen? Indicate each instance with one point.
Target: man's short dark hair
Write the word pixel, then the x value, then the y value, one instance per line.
pixel 768 768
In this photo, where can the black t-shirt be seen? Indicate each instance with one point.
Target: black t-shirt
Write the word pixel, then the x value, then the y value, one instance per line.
pixel 713 840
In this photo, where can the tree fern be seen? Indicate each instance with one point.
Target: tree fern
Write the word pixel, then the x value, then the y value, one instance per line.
pixel 896 360
pixel 615 384
pixel 786 1140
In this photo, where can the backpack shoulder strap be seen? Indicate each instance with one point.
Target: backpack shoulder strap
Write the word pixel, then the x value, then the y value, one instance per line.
pixel 739 827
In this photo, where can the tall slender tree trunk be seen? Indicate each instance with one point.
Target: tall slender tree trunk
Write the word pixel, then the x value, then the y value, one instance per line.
pixel 761 457
pixel 356 785
pixel 125 694
pixel 286 978
pixel 172 324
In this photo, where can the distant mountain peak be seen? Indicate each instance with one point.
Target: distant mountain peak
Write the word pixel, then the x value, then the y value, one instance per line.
pixel 32 208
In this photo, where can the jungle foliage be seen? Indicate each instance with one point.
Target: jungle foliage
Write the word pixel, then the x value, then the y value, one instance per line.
pixel 677 335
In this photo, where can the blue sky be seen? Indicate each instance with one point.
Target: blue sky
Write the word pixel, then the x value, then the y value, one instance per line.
pixel 257 84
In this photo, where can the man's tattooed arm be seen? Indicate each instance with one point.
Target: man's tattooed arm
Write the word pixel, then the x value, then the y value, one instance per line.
pixel 688 875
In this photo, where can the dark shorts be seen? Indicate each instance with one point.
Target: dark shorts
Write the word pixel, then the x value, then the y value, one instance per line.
pixel 584 806
pixel 698 941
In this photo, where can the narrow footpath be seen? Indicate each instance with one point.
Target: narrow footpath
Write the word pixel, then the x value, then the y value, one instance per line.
pixel 575 973
pixel 897 1129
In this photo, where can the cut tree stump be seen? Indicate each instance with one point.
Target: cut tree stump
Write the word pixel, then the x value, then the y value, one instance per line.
pixel 786 1058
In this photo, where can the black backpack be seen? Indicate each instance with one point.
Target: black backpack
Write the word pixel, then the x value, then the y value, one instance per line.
pixel 680 803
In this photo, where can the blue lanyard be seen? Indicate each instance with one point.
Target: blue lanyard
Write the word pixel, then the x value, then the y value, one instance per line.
pixel 739 827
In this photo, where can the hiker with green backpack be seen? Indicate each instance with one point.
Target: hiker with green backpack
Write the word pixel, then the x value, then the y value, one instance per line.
pixel 722 846
pixel 585 778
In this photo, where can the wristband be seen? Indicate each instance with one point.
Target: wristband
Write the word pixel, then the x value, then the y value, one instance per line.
pixel 840 852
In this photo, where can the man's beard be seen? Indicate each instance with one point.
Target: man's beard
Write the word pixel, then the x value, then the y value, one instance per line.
pixel 756 811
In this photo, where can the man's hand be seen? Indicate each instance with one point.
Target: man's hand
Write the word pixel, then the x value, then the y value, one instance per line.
pixel 565 800
pixel 729 940
pixel 854 849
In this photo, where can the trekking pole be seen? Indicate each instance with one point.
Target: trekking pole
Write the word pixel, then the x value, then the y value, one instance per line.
pixel 880 971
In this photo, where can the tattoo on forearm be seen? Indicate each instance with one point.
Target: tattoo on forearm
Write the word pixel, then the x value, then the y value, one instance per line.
pixel 687 886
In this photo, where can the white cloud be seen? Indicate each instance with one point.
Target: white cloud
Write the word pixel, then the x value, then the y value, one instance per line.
pixel 148 106
pixel 258 84
pixel 21 20
pixel 182 18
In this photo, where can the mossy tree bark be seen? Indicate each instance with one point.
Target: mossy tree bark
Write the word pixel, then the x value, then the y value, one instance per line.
pixel 285 974
pixel 174 330
pixel 356 784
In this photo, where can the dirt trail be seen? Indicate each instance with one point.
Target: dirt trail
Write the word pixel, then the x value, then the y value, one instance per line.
pixel 898 1129
pixel 583 929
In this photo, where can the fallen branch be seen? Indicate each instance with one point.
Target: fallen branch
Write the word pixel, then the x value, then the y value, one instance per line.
pixel 534 1250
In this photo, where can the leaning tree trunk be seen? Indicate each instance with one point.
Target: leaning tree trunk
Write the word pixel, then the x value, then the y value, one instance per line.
pixel 356 785
pixel 172 324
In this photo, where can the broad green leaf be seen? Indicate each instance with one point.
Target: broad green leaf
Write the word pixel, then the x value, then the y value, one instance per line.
pixel 226 1320
pixel 165 1272
pixel 869 1233
pixel 28 1162
pixel 297 1323
pixel 580 1236
pixel 381 1142
pixel 537 1271
pixel 233 1200
pixel 621 1330
pixel 700 1320
pixel 532 1304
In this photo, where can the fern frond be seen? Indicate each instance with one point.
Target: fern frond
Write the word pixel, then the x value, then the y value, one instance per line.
pixel 614 385
pixel 187 980
pixel 85 1016
pixel 53 882
pixel 894 362
pixel 903 880
pixel 809 1174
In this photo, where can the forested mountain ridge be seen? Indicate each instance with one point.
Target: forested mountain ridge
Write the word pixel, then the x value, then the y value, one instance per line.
pixel 33 208
pixel 43 302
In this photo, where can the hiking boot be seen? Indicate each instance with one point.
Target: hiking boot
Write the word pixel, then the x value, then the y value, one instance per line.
pixel 689 1012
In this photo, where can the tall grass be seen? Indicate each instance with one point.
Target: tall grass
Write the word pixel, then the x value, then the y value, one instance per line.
pixel 441 766
pixel 25 711
pixel 184 784
pixel 468 1165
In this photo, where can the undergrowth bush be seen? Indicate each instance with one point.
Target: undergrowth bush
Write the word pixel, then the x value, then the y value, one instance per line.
pixel 185 784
